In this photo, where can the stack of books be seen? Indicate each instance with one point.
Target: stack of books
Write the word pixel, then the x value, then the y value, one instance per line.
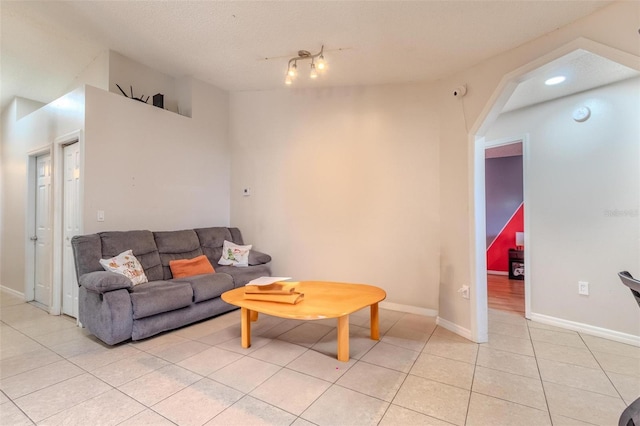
pixel 271 289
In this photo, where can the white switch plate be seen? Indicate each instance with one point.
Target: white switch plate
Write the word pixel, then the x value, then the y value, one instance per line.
pixel 583 288
pixel 100 215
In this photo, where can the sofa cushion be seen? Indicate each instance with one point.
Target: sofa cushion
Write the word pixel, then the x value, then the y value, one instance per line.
pixel 160 296
pixel 207 286
pixel 140 242
pixel 241 276
pixel 258 258
pixel 189 267
pixel 175 245
pixel 211 240
pixel 125 264
pixel 233 254
pixel 87 252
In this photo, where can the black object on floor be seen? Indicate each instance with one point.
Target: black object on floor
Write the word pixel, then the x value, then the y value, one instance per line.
pixel 631 415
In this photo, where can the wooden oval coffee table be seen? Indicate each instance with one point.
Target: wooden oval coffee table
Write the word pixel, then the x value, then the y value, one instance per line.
pixel 321 300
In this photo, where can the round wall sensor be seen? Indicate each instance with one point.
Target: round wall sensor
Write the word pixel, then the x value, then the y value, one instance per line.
pixel 582 114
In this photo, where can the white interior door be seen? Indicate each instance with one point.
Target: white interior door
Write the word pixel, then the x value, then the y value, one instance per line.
pixel 43 227
pixel 71 227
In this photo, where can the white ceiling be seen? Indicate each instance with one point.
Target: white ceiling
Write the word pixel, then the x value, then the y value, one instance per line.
pixel 46 44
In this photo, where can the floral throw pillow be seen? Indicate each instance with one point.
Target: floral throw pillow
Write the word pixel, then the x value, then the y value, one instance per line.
pixel 233 254
pixel 126 264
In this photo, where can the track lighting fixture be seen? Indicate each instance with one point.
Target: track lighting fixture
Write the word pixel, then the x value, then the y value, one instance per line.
pixel 318 65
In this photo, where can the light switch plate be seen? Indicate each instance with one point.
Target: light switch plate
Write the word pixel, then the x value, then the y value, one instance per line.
pixel 583 288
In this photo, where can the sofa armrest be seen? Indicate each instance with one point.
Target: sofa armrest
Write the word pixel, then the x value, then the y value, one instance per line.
pixel 258 258
pixel 104 281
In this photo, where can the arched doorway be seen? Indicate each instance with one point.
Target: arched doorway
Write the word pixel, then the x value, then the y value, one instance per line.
pixel 509 85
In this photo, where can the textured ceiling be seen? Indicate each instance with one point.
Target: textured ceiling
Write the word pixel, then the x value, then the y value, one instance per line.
pixel 46 44
pixel 582 70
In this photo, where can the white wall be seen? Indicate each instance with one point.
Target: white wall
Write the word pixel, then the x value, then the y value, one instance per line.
pixel 149 168
pixel 95 74
pixel 19 137
pixel 344 185
pixel 584 199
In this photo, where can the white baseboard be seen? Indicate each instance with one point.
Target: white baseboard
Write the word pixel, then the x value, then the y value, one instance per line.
pixel 497 273
pixel 455 328
pixel 616 336
pixel 12 291
pixel 409 309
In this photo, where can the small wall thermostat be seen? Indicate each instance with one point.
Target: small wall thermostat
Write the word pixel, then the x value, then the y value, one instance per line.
pixel 581 114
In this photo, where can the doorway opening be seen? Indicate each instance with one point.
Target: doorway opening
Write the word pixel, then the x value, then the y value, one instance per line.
pixel 504 195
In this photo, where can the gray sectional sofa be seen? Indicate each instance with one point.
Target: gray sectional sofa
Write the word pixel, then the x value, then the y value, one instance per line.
pixel 115 310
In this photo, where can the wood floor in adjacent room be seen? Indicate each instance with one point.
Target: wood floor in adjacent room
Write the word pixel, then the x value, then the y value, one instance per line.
pixel 505 294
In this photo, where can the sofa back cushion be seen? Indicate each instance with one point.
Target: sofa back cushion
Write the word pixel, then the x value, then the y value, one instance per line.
pixel 176 245
pixel 211 240
pixel 140 242
pixel 87 252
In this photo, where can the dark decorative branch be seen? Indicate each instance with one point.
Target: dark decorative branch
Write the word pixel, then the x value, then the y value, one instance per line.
pixel 132 97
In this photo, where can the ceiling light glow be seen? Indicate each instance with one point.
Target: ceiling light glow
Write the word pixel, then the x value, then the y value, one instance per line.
pixel 555 80
pixel 292 67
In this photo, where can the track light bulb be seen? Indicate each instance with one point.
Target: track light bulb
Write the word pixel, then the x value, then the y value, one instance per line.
pixel 322 64
pixel 288 80
pixel 293 70
pixel 314 72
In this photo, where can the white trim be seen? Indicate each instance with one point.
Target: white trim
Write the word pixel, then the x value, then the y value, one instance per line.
pixel 497 272
pixel 12 291
pixel 408 309
pixel 502 142
pixel 605 333
pixel 526 158
pixel 454 328
pixel 59 143
pixel 478 303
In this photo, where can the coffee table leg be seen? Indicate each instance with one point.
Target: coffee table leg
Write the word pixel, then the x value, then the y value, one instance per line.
pixel 254 316
pixel 245 327
pixel 375 322
pixel 343 338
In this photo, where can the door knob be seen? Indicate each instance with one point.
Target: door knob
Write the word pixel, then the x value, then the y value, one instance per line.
pixel 34 238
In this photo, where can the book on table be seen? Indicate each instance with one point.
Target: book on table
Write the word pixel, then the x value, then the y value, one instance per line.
pixel 273 289
pixel 291 298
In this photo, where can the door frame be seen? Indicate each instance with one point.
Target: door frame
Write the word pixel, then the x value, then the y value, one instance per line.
pixel 476 143
pixel 30 219
pixel 60 142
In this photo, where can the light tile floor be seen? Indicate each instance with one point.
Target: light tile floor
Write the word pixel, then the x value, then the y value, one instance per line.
pixel 52 372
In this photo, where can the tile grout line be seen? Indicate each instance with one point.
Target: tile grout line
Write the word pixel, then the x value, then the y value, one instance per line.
pixel 473 378
pixel 544 392
pixel 406 374
pixel 603 370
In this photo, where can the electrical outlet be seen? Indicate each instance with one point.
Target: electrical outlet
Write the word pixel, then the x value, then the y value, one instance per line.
pixel 246 192
pixel 464 290
pixel 583 288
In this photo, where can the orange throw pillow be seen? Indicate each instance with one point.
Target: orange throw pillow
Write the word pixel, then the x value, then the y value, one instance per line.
pixel 189 267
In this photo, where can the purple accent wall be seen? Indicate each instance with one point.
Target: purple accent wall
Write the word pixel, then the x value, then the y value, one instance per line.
pixel 503 192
